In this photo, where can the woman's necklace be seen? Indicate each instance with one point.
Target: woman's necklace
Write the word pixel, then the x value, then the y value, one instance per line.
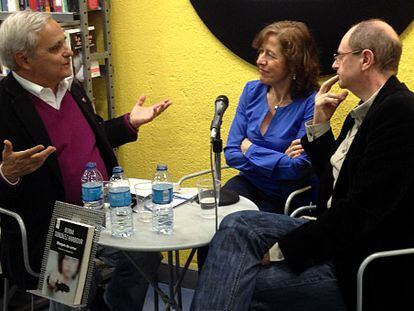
pixel 281 103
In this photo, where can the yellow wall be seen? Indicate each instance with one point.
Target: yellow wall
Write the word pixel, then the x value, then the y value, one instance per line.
pixel 165 50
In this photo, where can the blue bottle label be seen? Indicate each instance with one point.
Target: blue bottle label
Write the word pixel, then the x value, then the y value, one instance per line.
pixel 119 196
pixel 162 193
pixel 92 191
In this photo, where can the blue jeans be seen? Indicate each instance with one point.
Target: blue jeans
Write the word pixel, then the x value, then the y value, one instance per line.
pixel 234 279
pixel 127 288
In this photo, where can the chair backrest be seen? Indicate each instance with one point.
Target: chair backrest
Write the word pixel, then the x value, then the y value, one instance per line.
pixel 197 174
pixel 23 233
pixel 368 260
pixel 292 196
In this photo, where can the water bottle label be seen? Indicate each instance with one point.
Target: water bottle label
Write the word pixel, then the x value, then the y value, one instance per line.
pixel 162 193
pixel 92 191
pixel 119 196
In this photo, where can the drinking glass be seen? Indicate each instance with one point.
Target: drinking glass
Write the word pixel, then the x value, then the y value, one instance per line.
pixel 206 196
pixel 142 190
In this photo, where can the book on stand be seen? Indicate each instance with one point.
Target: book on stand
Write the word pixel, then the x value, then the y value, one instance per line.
pixel 68 261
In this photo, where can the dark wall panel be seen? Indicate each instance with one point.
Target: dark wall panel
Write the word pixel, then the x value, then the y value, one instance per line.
pixel 235 22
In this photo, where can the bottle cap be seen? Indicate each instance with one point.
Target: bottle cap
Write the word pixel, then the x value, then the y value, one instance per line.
pixel 162 167
pixel 90 165
pixel 117 170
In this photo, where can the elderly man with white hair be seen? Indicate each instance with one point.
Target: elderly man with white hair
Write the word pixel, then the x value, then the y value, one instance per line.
pixel 49 131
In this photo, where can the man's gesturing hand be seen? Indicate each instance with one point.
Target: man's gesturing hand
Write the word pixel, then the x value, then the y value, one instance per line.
pixel 20 163
pixel 326 102
pixel 141 115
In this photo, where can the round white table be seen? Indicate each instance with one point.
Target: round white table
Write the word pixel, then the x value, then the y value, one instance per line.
pixel 190 232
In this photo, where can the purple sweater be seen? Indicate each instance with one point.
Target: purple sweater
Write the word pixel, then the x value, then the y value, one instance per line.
pixel 75 143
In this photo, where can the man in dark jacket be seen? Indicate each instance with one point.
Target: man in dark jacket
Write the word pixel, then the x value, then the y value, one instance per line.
pixel 50 131
pixel 274 262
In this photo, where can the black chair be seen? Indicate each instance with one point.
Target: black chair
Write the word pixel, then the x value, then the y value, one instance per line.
pixel 365 262
pixel 7 291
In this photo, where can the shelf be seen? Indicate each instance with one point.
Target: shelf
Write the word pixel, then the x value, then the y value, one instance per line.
pixel 59 17
pixel 99 55
pixel 104 57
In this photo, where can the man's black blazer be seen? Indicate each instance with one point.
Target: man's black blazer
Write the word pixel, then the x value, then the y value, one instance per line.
pixel 35 196
pixel 372 205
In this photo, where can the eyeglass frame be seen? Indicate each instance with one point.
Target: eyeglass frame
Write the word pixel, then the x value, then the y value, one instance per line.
pixel 338 56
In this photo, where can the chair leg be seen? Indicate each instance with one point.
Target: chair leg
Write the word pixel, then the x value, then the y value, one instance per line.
pixel 31 302
pixel 5 296
pixel 156 301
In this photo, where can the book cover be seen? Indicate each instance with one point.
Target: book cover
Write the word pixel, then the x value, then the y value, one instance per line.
pixel 57 6
pixel 4 5
pixel 22 5
pixel 93 4
pixel 68 261
pixel 73 5
pixel 33 5
pixel 65 8
pixel 13 5
pixel 47 7
pixel 41 5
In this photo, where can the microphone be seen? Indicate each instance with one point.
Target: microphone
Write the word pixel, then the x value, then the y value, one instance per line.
pixel 221 104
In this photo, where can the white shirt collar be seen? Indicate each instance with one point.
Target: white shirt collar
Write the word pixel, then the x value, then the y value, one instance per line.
pixel 46 94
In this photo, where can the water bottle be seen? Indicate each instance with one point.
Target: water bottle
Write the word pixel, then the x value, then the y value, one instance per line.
pixel 120 204
pixel 162 193
pixel 92 187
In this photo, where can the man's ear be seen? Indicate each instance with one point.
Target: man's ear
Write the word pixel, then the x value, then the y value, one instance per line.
pixel 368 59
pixel 21 60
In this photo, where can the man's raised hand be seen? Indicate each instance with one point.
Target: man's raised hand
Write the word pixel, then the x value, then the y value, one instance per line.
pixel 327 102
pixel 17 164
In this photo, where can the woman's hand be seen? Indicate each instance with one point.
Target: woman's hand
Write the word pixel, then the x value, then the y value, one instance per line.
pixel 295 149
pixel 245 145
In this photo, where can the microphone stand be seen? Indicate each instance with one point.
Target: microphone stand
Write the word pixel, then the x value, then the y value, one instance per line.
pixel 217 150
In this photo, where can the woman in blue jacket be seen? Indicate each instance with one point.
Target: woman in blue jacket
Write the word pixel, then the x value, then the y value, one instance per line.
pixel 263 142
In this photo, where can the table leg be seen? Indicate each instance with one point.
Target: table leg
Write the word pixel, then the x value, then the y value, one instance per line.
pixel 171 277
pixel 174 285
pixel 156 302
pixel 184 271
pixel 177 276
pixel 167 300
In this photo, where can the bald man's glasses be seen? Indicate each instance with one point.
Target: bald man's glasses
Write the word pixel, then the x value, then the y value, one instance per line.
pixel 338 56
